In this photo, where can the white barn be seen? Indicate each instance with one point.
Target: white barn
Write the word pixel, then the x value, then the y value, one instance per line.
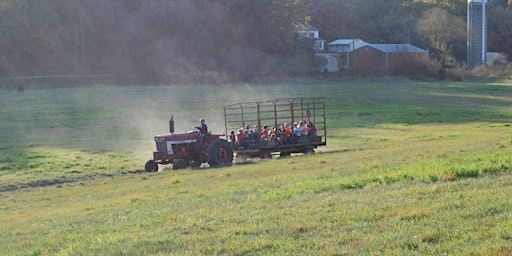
pixel 345 45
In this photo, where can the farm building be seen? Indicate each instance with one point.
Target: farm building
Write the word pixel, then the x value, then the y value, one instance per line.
pixel 314 33
pixel 477 33
pixel 345 45
pixel 382 57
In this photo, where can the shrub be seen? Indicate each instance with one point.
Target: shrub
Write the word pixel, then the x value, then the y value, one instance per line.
pixel 416 69
pixel 498 67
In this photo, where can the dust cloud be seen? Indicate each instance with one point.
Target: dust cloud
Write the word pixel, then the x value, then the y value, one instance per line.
pixel 109 117
pixel 138 113
pixel 189 55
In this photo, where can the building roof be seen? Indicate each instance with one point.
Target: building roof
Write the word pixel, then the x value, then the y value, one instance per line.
pixel 307 27
pixel 397 48
pixel 352 43
pixel 345 41
pixel 358 43
pixel 311 28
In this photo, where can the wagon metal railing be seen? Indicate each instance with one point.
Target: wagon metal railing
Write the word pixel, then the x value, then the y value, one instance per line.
pixel 275 113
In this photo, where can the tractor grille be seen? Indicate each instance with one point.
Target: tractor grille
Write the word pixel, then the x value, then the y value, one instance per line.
pixel 160 145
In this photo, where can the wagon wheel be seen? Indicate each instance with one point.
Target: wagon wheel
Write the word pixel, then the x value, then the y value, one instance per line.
pixel 179 164
pixel 151 166
pixel 240 158
pixel 265 155
pixel 284 154
pixel 220 153
pixel 309 150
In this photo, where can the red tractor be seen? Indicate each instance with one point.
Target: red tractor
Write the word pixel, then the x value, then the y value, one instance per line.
pixel 184 150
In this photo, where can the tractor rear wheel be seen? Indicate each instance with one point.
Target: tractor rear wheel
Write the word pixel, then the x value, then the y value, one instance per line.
pixel 151 166
pixel 179 164
pixel 220 153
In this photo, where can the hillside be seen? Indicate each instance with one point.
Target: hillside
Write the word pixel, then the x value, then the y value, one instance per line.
pixel 196 41
pixel 410 168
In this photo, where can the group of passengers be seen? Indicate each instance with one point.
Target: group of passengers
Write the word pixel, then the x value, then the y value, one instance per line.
pixel 284 134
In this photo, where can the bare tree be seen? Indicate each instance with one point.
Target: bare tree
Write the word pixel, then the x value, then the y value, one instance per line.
pixel 443 31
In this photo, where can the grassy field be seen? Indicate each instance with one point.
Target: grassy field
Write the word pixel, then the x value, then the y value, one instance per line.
pixel 410 168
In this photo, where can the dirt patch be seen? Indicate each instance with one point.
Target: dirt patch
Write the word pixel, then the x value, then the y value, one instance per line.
pixel 64 181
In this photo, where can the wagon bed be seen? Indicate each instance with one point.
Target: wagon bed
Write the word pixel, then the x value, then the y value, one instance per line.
pixel 277 112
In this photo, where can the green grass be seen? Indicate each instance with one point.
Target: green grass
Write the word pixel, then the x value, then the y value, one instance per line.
pixel 410 168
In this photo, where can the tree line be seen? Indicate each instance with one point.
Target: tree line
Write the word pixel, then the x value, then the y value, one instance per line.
pixel 162 40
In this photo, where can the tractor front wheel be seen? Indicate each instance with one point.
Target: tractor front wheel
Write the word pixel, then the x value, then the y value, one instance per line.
pixel 220 153
pixel 151 166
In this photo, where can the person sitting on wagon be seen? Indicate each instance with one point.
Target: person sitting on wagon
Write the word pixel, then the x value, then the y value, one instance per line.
pixel 264 136
pixel 281 136
pixel 272 142
pixel 232 138
pixel 264 133
pixel 256 132
pixel 287 134
pixel 311 129
pixel 296 132
pixel 241 138
pixel 303 129
pixel 273 131
pixel 249 135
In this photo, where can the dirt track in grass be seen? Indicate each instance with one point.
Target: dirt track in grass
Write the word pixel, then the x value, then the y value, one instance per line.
pixel 60 182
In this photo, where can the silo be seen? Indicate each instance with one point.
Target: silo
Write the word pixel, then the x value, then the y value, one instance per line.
pixel 477 33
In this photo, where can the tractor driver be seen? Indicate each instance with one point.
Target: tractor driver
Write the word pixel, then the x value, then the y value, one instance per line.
pixel 203 130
